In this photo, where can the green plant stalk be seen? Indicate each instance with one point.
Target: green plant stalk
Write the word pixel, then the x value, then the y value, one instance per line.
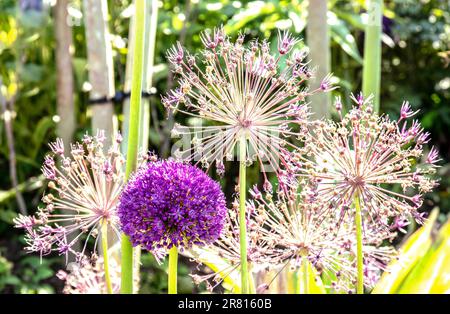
pixel 144 130
pixel 359 252
pixel 133 134
pixel 242 215
pixel 372 52
pixel 173 265
pixel 251 281
pixel 305 275
pixel 295 281
pixel 104 232
pixel 151 23
pixel 300 278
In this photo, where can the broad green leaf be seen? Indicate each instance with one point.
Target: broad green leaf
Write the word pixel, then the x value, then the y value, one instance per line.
pixel 305 280
pixel 432 273
pixel 253 10
pixel 41 129
pixel 229 274
pixel 442 282
pixel 409 255
pixel 340 33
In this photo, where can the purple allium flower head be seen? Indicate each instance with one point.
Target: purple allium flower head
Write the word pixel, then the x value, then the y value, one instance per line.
pixel 169 203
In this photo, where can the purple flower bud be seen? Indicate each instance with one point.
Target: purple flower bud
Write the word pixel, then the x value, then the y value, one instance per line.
pixel 417 200
pixel 433 156
pixel 255 193
pixel 338 104
pixel 285 42
pixel 406 112
pixel 57 147
pixel 267 186
pixel 326 84
pixel 175 54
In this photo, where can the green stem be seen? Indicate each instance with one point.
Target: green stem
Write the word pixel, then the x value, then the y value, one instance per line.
pixel 300 278
pixel 305 275
pixel 251 281
pixel 296 281
pixel 359 252
pixel 133 134
pixel 104 232
pixel 242 215
pixel 173 264
pixel 372 52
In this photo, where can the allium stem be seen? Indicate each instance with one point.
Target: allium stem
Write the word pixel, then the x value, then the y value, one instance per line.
pixel 300 278
pixel 173 264
pixel 242 214
pixel 133 134
pixel 305 275
pixel 251 281
pixel 104 232
pixel 359 251
pixel 372 52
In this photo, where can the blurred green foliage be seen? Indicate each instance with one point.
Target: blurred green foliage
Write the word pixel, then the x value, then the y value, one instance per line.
pixel 417 35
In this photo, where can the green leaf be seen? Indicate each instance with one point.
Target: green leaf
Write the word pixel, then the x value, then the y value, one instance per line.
pixel 43 273
pixel 229 274
pixel 432 273
pixel 41 130
pixel 340 33
pixel 10 280
pixel 32 73
pixel 253 10
pixel 297 281
pixel 7 215
pixel 415 247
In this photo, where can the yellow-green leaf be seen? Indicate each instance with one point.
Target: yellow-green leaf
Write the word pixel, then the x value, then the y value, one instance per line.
pixel 431 274
pixel 305 280
pixel 409 255
pixel 231 277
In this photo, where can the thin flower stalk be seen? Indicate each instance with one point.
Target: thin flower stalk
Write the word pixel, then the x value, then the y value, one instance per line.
pixel 228 250
pixel 133 135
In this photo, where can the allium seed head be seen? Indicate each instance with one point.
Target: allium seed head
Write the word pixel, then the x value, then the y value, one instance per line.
pixel 89 277
pixel 85 189
pixel 370 156
pixel 241 91
pixel 294 228
pixel 227 248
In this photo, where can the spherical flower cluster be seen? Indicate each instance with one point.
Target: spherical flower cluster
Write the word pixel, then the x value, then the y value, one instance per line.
pixel 86 188
pixel 379 160
pixel 168 203
pixel 295 228
pixel 245 92
pixel 89 277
